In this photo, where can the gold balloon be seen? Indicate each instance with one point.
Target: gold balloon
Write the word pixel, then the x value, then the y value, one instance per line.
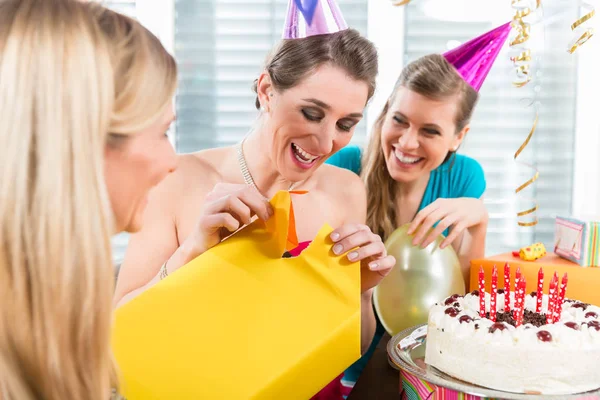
pixel 420 278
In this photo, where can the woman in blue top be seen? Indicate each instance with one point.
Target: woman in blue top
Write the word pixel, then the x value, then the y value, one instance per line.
pixel 412 172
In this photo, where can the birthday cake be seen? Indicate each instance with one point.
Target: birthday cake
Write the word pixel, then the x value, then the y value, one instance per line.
pixel 511 341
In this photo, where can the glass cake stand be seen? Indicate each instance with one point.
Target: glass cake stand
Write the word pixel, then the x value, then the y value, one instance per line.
pixel 406 351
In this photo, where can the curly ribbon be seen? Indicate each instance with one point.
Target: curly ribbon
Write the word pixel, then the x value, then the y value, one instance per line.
pixel 523 9
pixel 582 33
pixel 521 61
pixel 530 180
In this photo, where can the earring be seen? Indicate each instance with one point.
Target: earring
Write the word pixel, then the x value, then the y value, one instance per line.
pixel 270 94
pixel 262 108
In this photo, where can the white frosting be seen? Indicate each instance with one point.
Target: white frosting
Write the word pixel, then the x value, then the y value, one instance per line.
pixel 514 359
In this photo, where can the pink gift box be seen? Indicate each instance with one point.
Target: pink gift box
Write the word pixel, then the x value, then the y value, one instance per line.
pixel 414 388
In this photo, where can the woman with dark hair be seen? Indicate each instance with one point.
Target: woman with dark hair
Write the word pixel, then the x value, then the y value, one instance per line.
pixel 310 97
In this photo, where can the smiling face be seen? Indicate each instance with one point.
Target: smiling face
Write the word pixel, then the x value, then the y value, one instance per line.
pixel 312 120
pixel 417 133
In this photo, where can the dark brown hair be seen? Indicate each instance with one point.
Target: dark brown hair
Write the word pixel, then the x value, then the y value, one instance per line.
pixel 293 59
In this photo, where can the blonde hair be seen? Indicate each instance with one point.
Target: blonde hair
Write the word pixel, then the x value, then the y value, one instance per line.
pixel 431 76
pixel 75 78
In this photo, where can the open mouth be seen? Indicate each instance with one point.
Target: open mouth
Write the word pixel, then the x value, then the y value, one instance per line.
pixel 302 156
pixel 406 159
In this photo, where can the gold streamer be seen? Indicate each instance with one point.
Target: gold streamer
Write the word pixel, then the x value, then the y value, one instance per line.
pixel 521 63
pixel 582 34
pixel 530 180
pixel 400 2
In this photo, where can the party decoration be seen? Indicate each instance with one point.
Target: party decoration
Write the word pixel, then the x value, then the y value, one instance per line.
pixel 521 58
pixel 582 32
pixel 400 2
pixel 414 387
pixel 551 299
pixel 561 295
pixel 474 59
pixel 519 302
pixel 506 287
pixel 494 296
pixel 532 252
pixel 312 17
pixel 241 322
pixel 578 240
pixel 481 293
pixel 535 176
pixel 583 282
pixel 420 278
pixel 309 11
pixel 540 291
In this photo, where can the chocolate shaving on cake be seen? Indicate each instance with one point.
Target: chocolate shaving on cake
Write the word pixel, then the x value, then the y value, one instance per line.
pixel 529 317
pixel 475 293
pixel 505 317
pixel 500 291
pixel 534 318
pixel 456 304
pixel 533 294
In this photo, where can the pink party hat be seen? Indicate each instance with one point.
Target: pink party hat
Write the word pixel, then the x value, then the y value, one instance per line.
pixel 312 17
pixel 474 59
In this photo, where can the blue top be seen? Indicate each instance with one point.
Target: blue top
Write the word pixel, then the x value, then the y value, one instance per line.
pixel 460 176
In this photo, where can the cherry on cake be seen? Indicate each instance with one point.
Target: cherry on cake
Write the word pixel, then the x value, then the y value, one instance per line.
pixel 516 342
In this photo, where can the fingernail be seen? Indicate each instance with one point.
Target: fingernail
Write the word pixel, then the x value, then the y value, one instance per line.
pixel 337 249
pixel 335 236
pixel 353 255
pixel 373 266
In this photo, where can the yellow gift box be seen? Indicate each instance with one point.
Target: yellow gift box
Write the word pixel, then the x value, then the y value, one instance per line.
pixel 583 282
pixel 241 322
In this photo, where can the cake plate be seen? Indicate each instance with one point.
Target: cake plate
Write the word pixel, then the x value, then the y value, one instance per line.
pixel 406 351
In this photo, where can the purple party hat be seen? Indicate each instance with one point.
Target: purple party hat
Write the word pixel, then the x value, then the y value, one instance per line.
pixel 312 17
pixel 474 59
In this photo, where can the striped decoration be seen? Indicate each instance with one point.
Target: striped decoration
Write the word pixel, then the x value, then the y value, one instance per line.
pixel 418 389
pixel 593 250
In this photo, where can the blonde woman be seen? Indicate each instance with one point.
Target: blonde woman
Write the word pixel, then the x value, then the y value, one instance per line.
pixel 82 133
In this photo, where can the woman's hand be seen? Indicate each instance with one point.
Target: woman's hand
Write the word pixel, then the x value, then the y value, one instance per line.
pixel 366 247
pixel 457 214
pixel 227 208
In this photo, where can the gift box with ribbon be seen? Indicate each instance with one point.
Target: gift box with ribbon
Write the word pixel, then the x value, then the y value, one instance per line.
pixel 241 322
pixel 578 240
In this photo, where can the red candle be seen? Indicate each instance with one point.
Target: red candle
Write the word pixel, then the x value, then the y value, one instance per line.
pixel 561 298
pixel 556 294
pixel 517 305
pixel 494 294
pixel 551 297
pixel 506 287
pixel 520 310
pixel 540 291
pixel 481 293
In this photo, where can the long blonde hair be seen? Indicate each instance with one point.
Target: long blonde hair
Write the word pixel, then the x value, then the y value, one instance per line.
pixel 74 78
pixel 430 76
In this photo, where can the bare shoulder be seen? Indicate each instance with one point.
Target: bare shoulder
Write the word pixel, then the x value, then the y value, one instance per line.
pixel 195 173
pixel 345 190
pixel 340 182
